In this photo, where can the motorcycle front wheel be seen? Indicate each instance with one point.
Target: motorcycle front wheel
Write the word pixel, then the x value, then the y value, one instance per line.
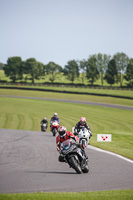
pixel 75 165
pixel 54 131
pixel 85 169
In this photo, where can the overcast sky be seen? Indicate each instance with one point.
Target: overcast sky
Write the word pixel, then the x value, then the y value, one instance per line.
pixel 63 30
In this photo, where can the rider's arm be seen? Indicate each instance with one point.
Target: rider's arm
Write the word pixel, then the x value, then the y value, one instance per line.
pixel 76 129
pixel 73 136
pixel 76 126
pixel 51 120
pixel 58 144
pixel 88 128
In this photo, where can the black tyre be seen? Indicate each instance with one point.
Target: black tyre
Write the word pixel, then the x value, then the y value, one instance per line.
pixel 54 132
pixel 83 142
pixel 43 129
pixel 75 165
pixel 85 169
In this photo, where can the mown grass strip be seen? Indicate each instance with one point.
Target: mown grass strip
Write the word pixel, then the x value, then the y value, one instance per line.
pixel 90 91
pixel 88 98
pixel 99 195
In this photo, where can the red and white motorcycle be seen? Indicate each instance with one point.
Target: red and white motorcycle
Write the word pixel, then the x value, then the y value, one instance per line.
pixel 54 127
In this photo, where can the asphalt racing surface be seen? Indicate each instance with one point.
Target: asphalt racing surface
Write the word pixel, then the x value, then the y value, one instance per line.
pixel 29 163
pixel 72 101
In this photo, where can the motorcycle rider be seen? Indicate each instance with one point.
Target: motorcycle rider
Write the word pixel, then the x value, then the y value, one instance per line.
pixel 54 118
pixel 65 135
pixel 44 121
pixel 81 124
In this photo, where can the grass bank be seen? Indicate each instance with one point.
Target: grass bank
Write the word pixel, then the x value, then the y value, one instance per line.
pixel 90 90
pixel 88 98
pixel 100 195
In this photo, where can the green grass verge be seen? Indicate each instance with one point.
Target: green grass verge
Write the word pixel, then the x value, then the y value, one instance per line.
pixel 88 98
pixel 26 114
pixel 100 195
pixel 116 92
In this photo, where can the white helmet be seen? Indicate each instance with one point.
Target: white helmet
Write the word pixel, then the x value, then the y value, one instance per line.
pixel 62 131
pixel 55 114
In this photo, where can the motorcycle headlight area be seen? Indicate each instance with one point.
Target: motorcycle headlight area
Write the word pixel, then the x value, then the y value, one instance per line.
pixel 68 150
pixel 66 147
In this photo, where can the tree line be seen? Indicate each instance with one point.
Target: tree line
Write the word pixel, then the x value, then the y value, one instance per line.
pixel 112 69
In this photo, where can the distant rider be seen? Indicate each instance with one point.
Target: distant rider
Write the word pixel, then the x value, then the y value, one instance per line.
pixel 65 135
pixel 54 118
pixel 82 124
pixel 44 121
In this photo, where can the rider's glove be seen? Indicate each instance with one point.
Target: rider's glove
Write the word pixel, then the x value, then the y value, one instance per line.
pixel 75 133
pixel 90 134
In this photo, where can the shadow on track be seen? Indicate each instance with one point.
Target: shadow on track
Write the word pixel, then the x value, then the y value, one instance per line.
pixel 50 172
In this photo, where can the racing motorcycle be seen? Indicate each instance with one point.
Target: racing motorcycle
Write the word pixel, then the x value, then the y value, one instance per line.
pixel 44 127
pixel 74 156
pixel 54 127
pixel 84 136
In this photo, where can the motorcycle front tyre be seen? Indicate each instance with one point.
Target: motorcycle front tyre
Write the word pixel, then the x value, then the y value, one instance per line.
pixel 54 132
pixel 43 129
pixel 75 165
pixel 85 169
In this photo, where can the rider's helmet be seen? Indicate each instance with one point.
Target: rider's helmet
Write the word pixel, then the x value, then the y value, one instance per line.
pixel 44 120
pixel 82 120
pixel 62 131
pixel 55 114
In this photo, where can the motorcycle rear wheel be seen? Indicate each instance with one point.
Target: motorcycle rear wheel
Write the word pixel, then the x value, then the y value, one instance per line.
pixel 75 165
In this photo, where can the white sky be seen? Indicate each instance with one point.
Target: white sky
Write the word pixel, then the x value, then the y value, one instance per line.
pixel 63 30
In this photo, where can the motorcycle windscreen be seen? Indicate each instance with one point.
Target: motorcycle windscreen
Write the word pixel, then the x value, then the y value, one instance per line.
pixel 66 144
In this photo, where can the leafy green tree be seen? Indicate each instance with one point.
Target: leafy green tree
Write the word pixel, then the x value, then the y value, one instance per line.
pixel 92 72
pixel 44 70
pixel 53 69
pixel 121 60
pixel 83 67
pixel 1 65
pixel 111 72
pixel 21 70
pixel 71 70
pixel 40 69
pixel 31 68
pixel 12 68
pixel 129 72
pixel 102 61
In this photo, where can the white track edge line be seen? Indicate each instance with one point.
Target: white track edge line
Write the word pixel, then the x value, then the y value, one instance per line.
pixel 111 153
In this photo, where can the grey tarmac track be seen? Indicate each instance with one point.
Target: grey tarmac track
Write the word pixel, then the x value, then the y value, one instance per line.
pixel 29 163
pixel 72 101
